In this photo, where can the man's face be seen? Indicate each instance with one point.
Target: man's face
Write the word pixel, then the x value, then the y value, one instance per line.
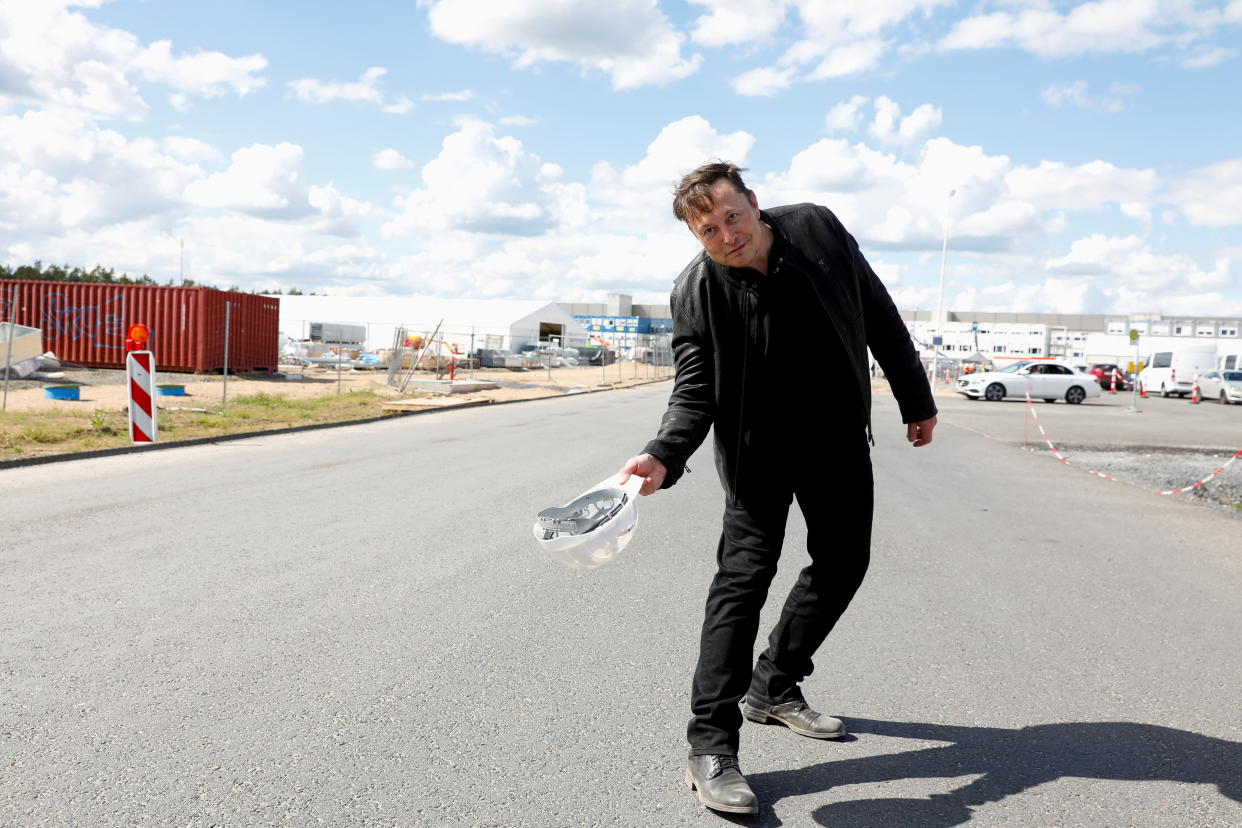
pixel 731 231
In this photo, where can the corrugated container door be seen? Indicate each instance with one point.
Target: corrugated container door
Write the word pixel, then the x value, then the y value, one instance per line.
pixel 86 323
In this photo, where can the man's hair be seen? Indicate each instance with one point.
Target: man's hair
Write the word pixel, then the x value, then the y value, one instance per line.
pixel 692 196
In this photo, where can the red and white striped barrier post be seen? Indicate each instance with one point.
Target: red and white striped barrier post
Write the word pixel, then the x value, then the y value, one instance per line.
pixel 1194 391
pixel 1112 386
pixel 140 366
pixel 1142 388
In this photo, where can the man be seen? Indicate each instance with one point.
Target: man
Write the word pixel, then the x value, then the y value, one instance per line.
pixel 771 325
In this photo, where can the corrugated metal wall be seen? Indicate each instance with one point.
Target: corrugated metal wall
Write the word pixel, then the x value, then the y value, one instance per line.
pixel 86 323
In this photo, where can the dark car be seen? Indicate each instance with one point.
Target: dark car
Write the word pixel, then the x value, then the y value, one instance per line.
pixel 1103 371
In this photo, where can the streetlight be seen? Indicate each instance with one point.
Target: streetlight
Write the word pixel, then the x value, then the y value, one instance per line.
pixel 944 249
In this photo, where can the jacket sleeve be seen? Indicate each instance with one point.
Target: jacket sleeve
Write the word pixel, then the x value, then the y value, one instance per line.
pixel 691 406
pixel 889 341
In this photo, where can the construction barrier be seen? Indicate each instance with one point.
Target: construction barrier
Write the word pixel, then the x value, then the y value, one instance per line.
pixel 143 425
pixel 1065 460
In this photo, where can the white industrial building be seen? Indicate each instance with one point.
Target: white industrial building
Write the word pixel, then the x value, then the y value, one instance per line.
pixel 1079 339
pixel 468 324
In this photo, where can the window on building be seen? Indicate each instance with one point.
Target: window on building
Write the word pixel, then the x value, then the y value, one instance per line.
pixel 1181 330
pixel 1228 331
pixel 1160 330
pixel 1116 327
pixel 1205 330
pixel 998 349
pixel 1036 350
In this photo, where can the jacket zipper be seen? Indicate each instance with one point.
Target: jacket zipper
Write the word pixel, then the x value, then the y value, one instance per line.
pixel 741 405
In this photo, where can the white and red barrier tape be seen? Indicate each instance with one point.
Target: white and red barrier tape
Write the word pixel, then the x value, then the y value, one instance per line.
pixel 1065 460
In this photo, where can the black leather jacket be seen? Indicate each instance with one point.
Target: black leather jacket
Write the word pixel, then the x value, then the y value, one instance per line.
pixel 716 343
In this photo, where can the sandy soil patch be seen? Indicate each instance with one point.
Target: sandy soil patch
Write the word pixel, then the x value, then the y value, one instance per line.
pixel 105 388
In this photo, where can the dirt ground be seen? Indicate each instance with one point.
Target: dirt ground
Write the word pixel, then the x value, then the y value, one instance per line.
pixel 105 388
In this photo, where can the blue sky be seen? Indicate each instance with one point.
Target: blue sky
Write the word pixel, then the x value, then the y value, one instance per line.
pixel 526 149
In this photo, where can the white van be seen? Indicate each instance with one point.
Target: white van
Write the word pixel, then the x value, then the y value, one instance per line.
pixel 1174 371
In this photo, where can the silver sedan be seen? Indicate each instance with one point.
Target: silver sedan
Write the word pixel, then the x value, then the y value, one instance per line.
pixel 1225 386
pixel 1044 379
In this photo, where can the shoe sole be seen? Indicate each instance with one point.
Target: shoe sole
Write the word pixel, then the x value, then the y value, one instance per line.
pixel 760 717
pixel 717 806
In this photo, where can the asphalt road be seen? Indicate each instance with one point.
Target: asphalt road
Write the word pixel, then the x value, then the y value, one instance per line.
pixel 354 627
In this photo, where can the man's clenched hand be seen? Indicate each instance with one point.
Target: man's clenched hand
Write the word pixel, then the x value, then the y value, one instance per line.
pixel 647 467
pixel 920 433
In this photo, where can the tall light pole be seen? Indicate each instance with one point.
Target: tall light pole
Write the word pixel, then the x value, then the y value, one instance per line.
pixel 944 249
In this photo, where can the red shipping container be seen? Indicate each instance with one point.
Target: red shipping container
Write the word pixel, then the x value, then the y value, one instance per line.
pixel 85 323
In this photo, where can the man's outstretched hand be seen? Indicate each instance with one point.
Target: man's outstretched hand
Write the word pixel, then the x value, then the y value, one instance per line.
pixel 647 467
pixel 920 433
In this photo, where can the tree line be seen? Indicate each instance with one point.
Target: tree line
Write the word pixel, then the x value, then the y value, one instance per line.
pixel 107 276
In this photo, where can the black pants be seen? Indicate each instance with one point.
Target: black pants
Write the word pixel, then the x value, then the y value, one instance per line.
pixel 836 499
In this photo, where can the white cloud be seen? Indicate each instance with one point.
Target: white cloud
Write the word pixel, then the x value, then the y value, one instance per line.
pixel 629 40
pixel 1100 26
pixel 1090 186
pixel 1076 94
pixel 204 74
pixel 400 106
pixel 639 195
pixel 337 211
pixel 51 55
pixel 851 59
pixel 890 128
pixel 516 120
pixel 191 149
pixel 1212 56
pixel 846 116
pixel 262 180
pixel 389 159
pixel 486 184
pixel 764 81
pixel 1211 196
pixel 462 95
pixel 731 22
pixel 363 90
pixel 1128 263
pixel 58 169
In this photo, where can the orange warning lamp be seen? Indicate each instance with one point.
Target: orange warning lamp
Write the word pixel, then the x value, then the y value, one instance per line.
pixel 139 336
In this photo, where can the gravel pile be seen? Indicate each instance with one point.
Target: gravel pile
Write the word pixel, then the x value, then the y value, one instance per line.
pixel 1167 470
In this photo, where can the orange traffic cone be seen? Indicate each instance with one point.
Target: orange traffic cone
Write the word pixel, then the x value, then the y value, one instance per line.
pixel 1112 388
pixel 1142 389
pixel 1194 390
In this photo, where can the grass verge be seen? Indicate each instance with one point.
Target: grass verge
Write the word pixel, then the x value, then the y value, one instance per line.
pixel 67 430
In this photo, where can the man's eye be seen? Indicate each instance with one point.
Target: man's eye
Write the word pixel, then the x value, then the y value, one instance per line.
pixel 708 231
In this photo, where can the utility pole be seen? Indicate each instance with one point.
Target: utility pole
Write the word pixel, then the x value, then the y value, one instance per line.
pixel 944 249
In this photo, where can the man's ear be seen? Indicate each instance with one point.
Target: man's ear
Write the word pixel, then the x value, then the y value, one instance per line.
pixel 754 202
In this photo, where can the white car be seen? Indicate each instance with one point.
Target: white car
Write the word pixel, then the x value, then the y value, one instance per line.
pixel 1225 386
pixel 1044 379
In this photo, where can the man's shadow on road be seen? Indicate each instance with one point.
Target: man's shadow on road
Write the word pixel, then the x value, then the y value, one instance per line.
pixel 1011 762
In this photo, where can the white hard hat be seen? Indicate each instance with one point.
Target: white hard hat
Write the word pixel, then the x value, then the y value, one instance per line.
pixel 594 527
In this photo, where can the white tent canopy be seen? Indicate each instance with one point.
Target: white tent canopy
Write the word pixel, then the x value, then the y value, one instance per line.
pixel 491 323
